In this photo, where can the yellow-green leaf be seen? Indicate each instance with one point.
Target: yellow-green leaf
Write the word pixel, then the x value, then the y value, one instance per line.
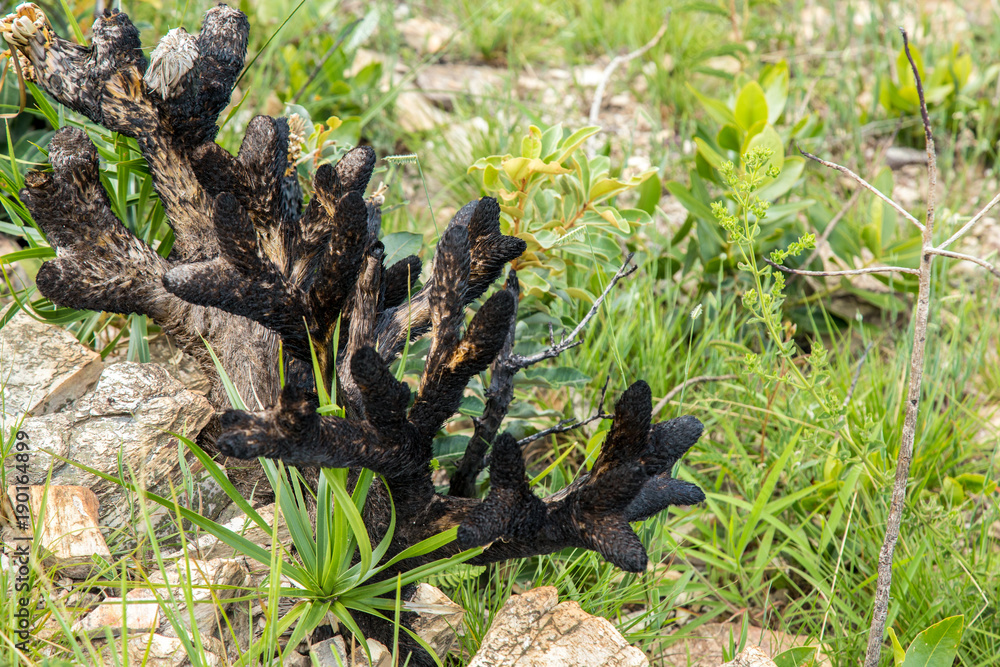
pixel 751 105
pixel 768 138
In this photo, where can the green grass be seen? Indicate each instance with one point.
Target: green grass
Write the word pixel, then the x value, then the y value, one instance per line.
pixel 790 534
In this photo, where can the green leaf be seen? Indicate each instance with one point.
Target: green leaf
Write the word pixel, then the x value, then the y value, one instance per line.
pixel 43 252
pixel 937 645
pixel 471 406
pixel 699 208
pixel 972 482
pixel 751 106
pixel 531 144
pixel 649 194
pixel 574 141
pixel 400 245
pixel 774 80
pixel 764 495
pixel 768 137
pixel 711 156
pixel 800 656
pixel 717 109
pixel 898 654
pixel 728 138
pixel 791 171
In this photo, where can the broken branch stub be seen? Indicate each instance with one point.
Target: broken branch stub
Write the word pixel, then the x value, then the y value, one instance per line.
pixel 251 267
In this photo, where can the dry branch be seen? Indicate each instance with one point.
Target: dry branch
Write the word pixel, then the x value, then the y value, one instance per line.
pixel 868 186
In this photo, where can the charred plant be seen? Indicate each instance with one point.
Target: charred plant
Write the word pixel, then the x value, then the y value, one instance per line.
pixel 251 266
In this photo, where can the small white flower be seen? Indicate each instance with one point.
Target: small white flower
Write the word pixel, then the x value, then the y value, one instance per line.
pixel 696 313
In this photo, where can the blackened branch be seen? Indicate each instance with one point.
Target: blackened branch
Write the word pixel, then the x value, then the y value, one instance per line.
pixel 572 340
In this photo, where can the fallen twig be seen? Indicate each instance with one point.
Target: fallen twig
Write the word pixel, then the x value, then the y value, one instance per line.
pixel 616 62
pixel 868 186
pixel 848 272
pixel 571 340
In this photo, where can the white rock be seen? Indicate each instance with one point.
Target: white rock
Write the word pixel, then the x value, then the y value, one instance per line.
pixel 42 368
pixel 416 113
pixel 532 630
pixel 69 534
pixel 439 619
pixel 160 651
pixel 424 35
pixel 130 414
pixel 443 83
pixel 113 615
pixel 751 656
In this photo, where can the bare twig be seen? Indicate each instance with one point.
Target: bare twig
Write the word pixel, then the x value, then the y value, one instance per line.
pixel 662 403
pixel 828 230
pixel 884 583
pixel 501 391
pixel 971 223
pixel 969 258
pixel 618 61
pixel 566 342
pixel 570 424
pixel 848 272
pixel 868 186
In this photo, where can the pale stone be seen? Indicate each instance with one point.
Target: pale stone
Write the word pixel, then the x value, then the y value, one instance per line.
pixel 439 619
pixel 130 414
pixel 330 652
pixel 69 537
pixel 705 648
pixel 415 113
pixel 532 630
pixel 181 365
pixel 113 615
pixel 751 656
pixel 441 84
pixel 424 35
pixel 42 368
pixel 160 651
pixel 212 584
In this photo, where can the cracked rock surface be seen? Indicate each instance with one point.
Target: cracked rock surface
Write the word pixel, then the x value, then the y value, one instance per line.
pixel 535 630
pixel 130 415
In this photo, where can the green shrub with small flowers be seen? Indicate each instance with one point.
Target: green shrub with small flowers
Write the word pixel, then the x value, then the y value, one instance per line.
pixel 742 219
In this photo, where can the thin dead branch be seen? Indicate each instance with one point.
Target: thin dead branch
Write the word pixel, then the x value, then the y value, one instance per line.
pixel 572 340
pixel 971 223
pixel 848 272
pixel 571 424
pixel 868 186
pixel 969 258
pixel 884 583
pixel 618 61
pixel 828 230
